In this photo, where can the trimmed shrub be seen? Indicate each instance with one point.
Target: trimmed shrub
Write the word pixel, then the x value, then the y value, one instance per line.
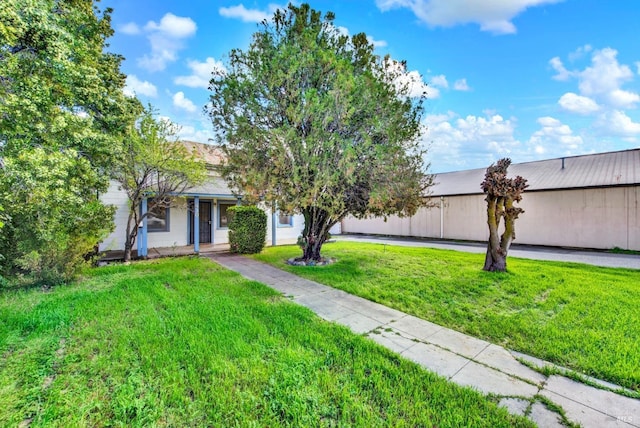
pixel 247 229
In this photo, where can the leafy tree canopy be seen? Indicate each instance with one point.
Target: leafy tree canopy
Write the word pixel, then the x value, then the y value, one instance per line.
pixel 154 165
pixel 63 115
pixel 311 120
pixel 58 85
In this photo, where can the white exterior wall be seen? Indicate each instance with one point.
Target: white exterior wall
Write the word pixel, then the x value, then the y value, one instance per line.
pixel 284 234
pixel 178 233
pixel 601 218
pixel 115 196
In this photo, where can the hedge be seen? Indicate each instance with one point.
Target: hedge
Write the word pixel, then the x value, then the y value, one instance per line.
pixel 247 229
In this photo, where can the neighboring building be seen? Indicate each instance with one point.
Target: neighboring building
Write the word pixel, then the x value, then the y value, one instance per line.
pixel 203 214
pixel 588 201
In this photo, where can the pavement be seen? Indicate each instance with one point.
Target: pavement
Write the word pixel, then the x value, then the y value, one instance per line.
pixel 592 257
pixel 465 360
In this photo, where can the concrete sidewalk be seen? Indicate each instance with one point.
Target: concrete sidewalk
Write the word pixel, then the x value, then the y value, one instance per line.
pixel 462 359
pixel 596 258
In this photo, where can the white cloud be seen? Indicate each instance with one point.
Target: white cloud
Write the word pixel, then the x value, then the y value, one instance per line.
pixel 439 81
pixel 244 14
pixel 170 25
pixel 617 123
pixel 552 134
pixel 563 73
pixel 604 78
pixel 130 28
pixel 377 43
pixel 599 83
pixel 166 39
pixel 409 83
pixel 575 103
pixel 580 52
pixel 492 15
pixel 460 143
pixel 461 85
pixel 621 98
pixel 135 86
pixel 249 15
pixel 180 101
pixel 201 73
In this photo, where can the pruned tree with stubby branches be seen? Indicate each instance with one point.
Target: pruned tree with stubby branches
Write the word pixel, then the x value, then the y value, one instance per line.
pixel 312 121
pixel 502 192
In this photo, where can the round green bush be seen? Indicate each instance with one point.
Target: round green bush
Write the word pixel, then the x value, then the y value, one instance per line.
pixel 247 229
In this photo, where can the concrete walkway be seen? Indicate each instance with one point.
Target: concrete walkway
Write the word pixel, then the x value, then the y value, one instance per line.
pixel 462 359
pixel 596 258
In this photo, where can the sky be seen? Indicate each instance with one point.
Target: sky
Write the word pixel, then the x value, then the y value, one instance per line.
pixel 525 79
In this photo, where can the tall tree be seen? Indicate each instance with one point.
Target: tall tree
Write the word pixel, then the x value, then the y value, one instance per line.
pixel 155 166
pixel 311 120
pixel 62 108
pixel 502 193
pixel 56 219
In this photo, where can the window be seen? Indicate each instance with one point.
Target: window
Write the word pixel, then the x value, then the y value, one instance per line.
pixel 285 220
pixel 158 219
pixel 223 217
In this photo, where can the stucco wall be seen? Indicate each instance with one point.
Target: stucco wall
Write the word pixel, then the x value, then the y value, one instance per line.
pixel 601 218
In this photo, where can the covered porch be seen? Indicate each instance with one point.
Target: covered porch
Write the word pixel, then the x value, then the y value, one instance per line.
pixel 159 252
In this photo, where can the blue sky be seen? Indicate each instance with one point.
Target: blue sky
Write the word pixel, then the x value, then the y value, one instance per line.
pixel 528 79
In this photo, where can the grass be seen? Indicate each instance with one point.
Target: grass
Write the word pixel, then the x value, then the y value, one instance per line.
pixel 184 342
pixel 582 317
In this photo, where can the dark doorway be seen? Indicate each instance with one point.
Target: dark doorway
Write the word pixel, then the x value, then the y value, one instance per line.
pixel 204 223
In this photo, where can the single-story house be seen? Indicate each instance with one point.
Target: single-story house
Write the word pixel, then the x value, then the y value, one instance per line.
pixel 588 201
pixel 200 221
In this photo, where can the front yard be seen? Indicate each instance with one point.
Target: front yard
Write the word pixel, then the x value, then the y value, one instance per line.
pixel 183 342
pixel 582 317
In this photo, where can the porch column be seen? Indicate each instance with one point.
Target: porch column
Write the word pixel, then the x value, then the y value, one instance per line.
pixel 142 233
pixel 273 225
pixel 196 224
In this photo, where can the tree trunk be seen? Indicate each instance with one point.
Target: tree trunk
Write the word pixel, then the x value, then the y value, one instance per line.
pixel 316 228
pixel 131 233
pixel 495 261
pixel 496 257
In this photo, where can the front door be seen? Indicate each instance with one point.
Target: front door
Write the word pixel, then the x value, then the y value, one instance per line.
pixel 204 223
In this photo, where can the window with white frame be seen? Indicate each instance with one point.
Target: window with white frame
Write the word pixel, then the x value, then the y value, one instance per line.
pixel 285 220
pixel 223 215
pixel 157 218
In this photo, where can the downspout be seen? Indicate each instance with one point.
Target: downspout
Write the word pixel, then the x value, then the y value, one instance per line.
pixel 441 217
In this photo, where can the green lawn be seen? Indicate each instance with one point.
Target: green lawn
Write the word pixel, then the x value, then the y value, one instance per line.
pixel 581 317
pixel 183 342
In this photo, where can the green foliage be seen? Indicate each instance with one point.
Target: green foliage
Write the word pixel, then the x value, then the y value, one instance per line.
pixel 56 218
pixel 154 165
pixel 578 316
pixel 59 87
pixel 312 121
pixel 64 115
pixel 247 229
pixel 184 342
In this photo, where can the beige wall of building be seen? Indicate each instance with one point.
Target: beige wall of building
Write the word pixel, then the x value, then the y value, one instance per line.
pixel 601 218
